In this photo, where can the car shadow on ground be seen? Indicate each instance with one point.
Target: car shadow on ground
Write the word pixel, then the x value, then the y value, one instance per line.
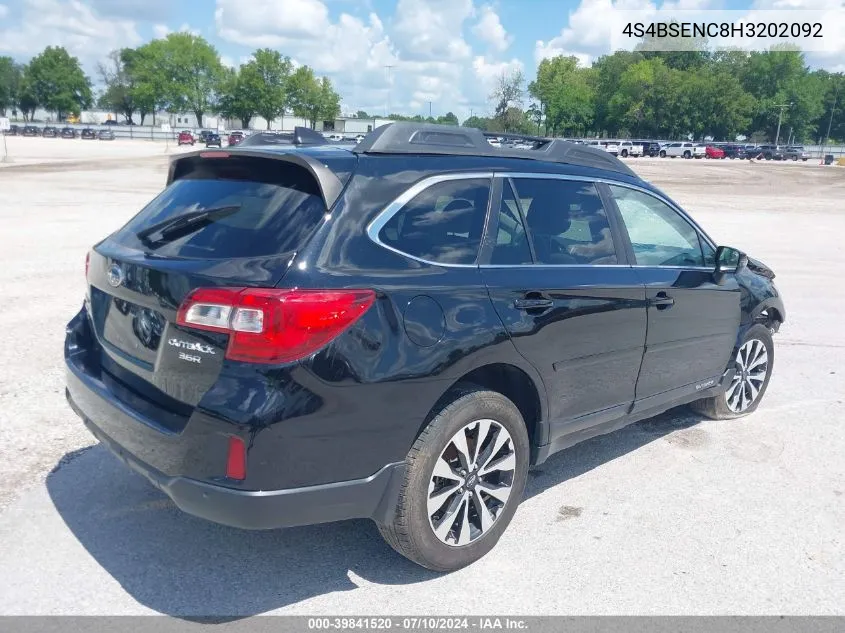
pixel 186 567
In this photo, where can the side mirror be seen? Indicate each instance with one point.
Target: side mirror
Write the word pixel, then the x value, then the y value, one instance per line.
pixel 728 260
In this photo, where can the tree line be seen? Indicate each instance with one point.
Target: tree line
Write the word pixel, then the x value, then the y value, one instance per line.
pixel 692 94
pixel 179 73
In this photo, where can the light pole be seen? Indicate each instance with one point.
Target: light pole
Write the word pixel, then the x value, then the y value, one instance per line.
pixel 390 68
pixel 830 120
pixel 429 109
pixel 780 115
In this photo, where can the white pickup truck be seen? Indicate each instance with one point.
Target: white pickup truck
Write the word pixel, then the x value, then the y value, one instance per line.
pixel 685 150
pixel 627 148
pixel 611 147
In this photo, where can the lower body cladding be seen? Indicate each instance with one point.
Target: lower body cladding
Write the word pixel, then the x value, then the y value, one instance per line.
pixel 373 497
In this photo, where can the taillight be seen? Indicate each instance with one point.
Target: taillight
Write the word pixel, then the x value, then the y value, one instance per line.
pixel 271 325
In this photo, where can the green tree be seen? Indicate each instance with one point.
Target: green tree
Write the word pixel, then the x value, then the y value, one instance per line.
pixel 11 75
pixel 447 119
pixel 264 82
pixel 57 82
pixel 361 114
pixel 191 70
pixel 149 86
pixel 235 101
pixel 311 98
pixel 566 95
pixel 118 94
pixel 482 123
pixel 507 98
pixel 607 72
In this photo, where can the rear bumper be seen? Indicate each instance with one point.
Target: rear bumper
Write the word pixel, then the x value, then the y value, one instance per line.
pixel 373 497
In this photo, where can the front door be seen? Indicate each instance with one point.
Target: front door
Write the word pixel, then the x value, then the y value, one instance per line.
pixel 692 321
pixel 572 310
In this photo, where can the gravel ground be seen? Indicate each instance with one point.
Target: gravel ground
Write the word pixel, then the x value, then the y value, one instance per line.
pixel 672 515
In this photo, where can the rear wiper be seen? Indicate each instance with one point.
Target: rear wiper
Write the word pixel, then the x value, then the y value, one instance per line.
pixel 184 224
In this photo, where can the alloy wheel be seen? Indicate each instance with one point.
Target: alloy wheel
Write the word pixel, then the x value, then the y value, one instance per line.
pixel 752 367
pixel 471 482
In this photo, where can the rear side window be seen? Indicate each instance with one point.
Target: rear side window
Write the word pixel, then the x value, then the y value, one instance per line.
pixel 567 222
pixel 272 208
pixel 442 224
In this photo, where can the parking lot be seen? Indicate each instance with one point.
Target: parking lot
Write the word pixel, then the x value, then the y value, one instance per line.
pixel 673 515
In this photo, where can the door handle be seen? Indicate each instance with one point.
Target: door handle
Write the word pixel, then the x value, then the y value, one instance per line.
pixel 533 304
pixel 662 301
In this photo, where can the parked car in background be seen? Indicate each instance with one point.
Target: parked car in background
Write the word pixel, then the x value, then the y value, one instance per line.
pixel 713 151
pixel 733 150
pixel 649 148
pixel 769 152
pixel 334 137
pixel 106 135
pixel 110 122
pixel 682 150
pixel 30 130
pixel 212 139
pixel 611 147
pixel 359 138
pixel 236 137
pixel 795 152
pixel 88 133
pixel 629 148
pixel 50 132
pixel 204 134
pixel 185 138
pixel 69 132
pixel 467 313
pixel 13 130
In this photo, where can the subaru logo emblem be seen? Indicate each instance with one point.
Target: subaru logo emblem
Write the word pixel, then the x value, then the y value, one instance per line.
pixel 116 275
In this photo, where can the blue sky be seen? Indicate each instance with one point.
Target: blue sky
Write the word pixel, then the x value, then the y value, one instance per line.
pixel 447 52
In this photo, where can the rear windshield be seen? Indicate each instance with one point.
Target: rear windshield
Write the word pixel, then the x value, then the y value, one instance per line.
pixel 278 206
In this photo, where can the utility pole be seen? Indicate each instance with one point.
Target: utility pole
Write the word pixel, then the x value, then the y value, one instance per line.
pixel 780 115
pixel 830 120
pixel 390 68
pixel 429 109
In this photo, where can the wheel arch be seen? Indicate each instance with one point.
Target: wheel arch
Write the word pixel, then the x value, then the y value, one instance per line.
pixel 525 391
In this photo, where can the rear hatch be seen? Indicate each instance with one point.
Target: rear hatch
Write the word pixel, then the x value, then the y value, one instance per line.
pixel 225 219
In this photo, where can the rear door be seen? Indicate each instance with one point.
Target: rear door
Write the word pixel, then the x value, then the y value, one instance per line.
pixel 246 218
pixel 555 275
pixel 692 321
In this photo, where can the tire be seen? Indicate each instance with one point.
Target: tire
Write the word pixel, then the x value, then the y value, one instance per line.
pixel 624 153
pixel 717 407
pixel 687 154
pixel 411 531
pixel 662 154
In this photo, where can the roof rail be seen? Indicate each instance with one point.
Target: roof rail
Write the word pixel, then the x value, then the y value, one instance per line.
pixel 299 136
pixel 428 138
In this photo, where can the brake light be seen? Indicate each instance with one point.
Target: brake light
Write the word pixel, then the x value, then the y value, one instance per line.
pixel 272 325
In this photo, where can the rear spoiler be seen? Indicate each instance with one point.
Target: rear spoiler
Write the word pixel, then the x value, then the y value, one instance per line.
pixel 329 184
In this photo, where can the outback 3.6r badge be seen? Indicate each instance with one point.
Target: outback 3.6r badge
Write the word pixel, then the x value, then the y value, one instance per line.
pixel 194 347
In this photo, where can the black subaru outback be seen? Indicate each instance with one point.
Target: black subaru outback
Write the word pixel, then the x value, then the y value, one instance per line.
pixel 295 334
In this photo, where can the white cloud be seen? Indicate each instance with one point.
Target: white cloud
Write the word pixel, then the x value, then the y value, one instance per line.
pixel 4 10
pixel 73 24
pixel 160 31
pixel 490 30
pixel 271 22
pixel 432 29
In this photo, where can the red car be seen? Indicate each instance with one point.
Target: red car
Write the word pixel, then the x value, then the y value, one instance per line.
pixel 186 138
pixel 235 138
pixel 714 152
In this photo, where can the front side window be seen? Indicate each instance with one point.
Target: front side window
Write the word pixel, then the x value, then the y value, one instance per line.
pixel 566 221
pixel 659 235
pixel 441 224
